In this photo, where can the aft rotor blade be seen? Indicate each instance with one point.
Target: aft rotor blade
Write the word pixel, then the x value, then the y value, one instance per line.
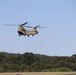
pixel 38 26
pixel 41 27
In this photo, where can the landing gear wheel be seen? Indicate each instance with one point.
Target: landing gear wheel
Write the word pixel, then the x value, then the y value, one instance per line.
pixel 28 35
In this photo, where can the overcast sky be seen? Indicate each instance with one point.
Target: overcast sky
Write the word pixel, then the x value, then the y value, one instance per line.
pixel 59 16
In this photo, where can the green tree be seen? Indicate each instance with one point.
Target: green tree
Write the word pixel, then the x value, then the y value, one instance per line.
pixel 28 58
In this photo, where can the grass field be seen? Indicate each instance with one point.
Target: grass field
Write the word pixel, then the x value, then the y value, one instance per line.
pixel 40 73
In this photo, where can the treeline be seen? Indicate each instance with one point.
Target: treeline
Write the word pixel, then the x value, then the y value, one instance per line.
pixel 29 62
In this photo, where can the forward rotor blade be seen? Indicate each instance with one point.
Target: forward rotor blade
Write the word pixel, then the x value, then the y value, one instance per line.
pixel 34 27
pixel 24 23
pixel 28 26
pixel 15 24
pixel 10 25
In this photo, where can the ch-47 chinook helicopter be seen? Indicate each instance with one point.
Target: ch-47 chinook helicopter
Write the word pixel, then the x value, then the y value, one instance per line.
pixel 22 31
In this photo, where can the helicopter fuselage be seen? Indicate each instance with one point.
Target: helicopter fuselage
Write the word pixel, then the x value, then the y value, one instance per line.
pixel 23 31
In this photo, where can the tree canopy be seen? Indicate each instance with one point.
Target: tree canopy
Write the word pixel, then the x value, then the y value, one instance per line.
pixel 29 62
